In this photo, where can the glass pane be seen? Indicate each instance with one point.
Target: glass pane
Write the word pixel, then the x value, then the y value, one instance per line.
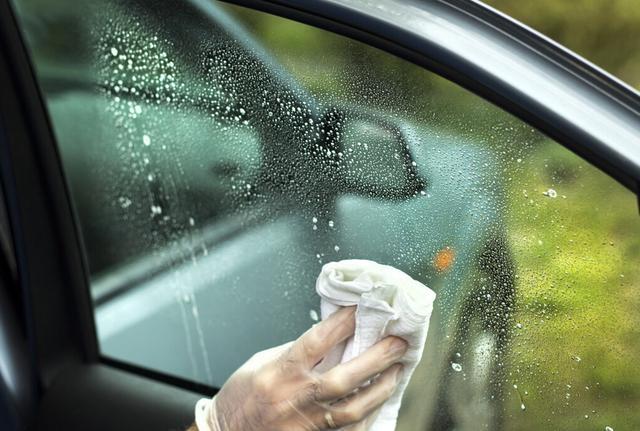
pixel 215 169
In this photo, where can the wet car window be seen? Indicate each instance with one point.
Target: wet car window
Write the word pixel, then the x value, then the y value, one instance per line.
pixel 218 157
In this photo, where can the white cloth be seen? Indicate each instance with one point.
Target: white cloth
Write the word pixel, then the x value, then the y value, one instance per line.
pixel 389 302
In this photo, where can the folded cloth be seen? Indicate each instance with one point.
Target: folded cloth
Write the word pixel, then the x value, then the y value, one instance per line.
pixel 389 302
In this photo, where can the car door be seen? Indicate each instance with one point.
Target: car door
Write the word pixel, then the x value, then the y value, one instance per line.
pixel 209 231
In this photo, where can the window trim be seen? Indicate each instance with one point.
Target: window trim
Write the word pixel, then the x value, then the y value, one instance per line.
pixel 7 256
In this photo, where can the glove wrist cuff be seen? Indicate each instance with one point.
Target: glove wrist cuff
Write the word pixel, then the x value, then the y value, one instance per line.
pixel 206 415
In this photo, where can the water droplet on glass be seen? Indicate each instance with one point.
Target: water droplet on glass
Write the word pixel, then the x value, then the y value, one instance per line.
pixel 608 428
pixel 242 111
pixel 314 219
pixel 146 140
pixel 331 223
pixel 523 407
pixel 519 325
pixel 336 248
pixel 313 314
pixel 576 358
pixel 124 202
pixel 315 227
pixel 192 222
pixel 114 52
pixel 456 367
pixel 551 193
pixel 156 210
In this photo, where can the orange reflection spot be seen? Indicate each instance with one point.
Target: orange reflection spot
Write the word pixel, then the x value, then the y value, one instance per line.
pixel 444 259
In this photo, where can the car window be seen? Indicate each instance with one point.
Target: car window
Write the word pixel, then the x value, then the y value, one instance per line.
pixel 218 157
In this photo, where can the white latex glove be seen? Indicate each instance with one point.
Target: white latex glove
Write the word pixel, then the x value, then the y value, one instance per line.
pixel 278 389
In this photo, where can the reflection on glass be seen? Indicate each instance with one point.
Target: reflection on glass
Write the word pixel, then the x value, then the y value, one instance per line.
pixel 213 177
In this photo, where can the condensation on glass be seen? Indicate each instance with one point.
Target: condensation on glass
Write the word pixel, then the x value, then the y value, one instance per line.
pixel 218 157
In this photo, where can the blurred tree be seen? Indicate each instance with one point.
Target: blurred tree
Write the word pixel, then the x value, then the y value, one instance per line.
pixel 606 32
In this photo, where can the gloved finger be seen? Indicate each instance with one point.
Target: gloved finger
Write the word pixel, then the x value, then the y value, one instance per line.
pixel 344 378
pixel 360 405
pixel 364 424
pixel 266 356
pixel 359 426
pixel 314 344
